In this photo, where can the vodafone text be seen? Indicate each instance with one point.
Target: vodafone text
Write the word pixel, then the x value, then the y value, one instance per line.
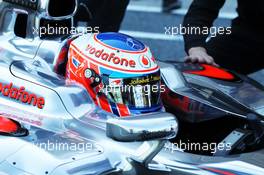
pixel 21 95
pixel 110 57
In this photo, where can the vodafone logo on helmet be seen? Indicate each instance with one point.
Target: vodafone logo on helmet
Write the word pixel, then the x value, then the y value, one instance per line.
pixel 144 61
pixel 113 58
pixel 110 57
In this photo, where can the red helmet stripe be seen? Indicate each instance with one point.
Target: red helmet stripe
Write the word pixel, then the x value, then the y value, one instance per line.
pixel 105 105
pixel 123 110
pixel 94 67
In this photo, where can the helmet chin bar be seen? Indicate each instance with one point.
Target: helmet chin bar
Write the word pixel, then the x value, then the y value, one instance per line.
pixel 9 127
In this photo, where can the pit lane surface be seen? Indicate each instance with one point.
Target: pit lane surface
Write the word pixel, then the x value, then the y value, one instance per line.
pixel 145 21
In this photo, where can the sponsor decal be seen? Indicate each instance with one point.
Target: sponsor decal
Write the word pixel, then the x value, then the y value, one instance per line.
pixel 144 61
pixel 143 80
pixel 75 62
pixel 110 57
pixel 20 94
pixel 115 82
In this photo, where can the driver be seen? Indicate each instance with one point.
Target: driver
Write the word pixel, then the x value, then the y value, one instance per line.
pixel 119 72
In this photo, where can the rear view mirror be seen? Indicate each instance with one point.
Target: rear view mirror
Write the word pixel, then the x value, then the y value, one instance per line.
pixel 142 128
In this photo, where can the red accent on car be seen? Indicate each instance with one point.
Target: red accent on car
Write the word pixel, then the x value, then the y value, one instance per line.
pixel 212 72
pixel 7 125
pixel 179 102
pixel 221 172
pixel 176 101
pixel 61 58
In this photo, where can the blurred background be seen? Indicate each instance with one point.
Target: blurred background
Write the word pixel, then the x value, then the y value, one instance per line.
pixel 145 20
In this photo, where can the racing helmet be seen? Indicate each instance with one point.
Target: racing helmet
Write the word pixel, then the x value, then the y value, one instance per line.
pixel 119 72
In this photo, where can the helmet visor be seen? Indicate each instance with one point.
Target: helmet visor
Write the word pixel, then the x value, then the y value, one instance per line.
pixel 140 92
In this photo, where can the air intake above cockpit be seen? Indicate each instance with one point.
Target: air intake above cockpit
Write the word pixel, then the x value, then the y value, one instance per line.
pixel 32 4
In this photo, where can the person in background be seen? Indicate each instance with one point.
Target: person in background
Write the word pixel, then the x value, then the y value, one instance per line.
pixel 105 14
pixel 169 5
pixel 240 50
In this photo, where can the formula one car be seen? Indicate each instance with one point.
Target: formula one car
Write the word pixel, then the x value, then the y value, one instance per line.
pixel 206 98
pixel 49 125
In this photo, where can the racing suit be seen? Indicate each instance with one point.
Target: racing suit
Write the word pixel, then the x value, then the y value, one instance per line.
pixel 242 49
